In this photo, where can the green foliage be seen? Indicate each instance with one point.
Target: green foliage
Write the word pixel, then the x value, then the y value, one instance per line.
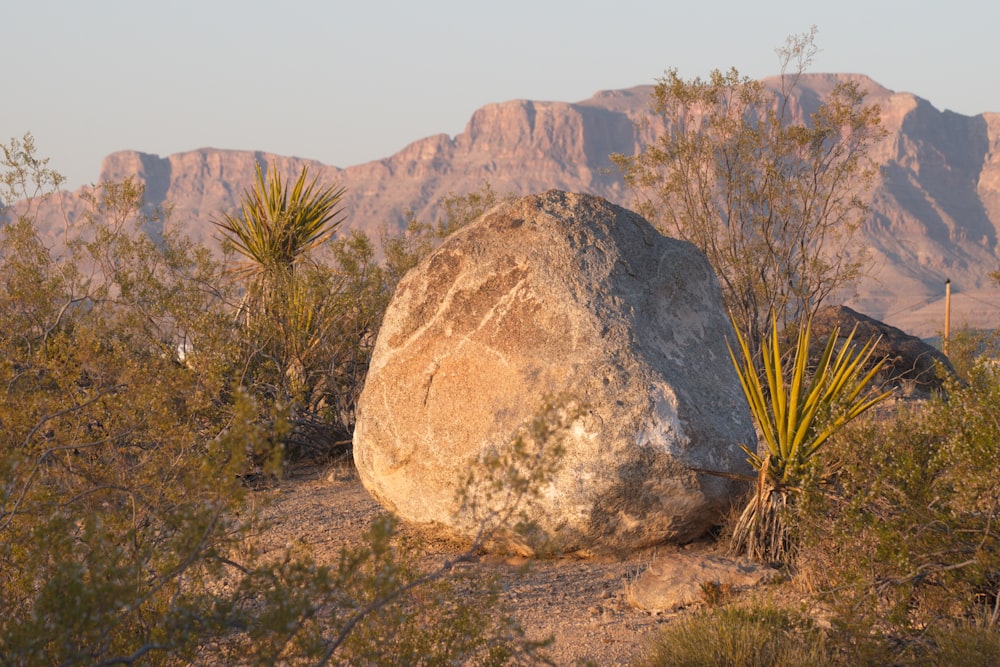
pixel 25 177
pixel 963 644
pixel 969 348
pixel 917 498
pixel 765 634
pixel 275 228
pixel 797 410
pixel 120 498
pixel 302 332
pixel 771 201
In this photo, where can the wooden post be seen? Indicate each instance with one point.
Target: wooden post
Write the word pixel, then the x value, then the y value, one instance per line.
pixel 947 315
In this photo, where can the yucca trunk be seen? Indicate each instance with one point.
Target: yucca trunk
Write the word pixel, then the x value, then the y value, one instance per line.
pixel 761 532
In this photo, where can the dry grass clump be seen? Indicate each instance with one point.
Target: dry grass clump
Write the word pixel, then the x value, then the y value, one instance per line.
pixel 756 636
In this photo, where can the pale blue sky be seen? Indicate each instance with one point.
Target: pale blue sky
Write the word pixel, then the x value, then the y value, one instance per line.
pixel 348 82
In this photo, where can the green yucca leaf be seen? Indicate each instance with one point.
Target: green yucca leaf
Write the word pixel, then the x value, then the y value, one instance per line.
pixel 797 410
pixel 274 228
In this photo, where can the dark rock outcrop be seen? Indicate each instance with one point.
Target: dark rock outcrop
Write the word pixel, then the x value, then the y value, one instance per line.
pixel 913 366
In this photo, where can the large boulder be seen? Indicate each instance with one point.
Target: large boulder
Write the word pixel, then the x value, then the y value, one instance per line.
pixel 570 296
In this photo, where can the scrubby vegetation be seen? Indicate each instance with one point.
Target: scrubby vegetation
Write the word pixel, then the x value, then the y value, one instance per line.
pixel 771 199
pixel 759 636
pixel 143 385
pixel 917 498
pixel 887 526
pixel 897 557
pixel 797 409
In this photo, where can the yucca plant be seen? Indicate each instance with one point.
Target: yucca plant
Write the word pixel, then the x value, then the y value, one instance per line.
pixel 797 409
pixel 274 228
pixel 289 301
pixel 273 231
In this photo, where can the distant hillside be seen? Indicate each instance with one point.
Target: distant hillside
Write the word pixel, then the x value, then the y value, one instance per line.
pixel 935 209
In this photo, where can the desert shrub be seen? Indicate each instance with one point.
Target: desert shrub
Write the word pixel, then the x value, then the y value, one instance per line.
pixel 374 606
pixel 961 644
pixel 906 535
pixel 771 199
pixel 767 633
pixel 969 347
pixel 759 636
pixel 896 529
pixel 120 496
pixel 286 322
pixel 127 423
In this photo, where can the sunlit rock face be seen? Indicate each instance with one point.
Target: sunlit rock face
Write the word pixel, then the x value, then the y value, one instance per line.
pixel 559 295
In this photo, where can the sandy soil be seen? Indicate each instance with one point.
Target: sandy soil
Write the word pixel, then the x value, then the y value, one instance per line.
pixel 579 603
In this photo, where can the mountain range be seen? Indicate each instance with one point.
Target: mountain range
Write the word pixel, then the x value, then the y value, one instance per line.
pixel 935 206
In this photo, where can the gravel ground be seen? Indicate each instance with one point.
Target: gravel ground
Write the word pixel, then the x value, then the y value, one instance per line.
pixel 579 603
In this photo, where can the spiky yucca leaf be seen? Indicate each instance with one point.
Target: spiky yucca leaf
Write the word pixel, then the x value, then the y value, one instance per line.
pixel 275 227
pixel 797 411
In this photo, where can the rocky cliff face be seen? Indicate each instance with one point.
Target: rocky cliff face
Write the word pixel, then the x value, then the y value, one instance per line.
pixel 936 212
pixel 935 207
